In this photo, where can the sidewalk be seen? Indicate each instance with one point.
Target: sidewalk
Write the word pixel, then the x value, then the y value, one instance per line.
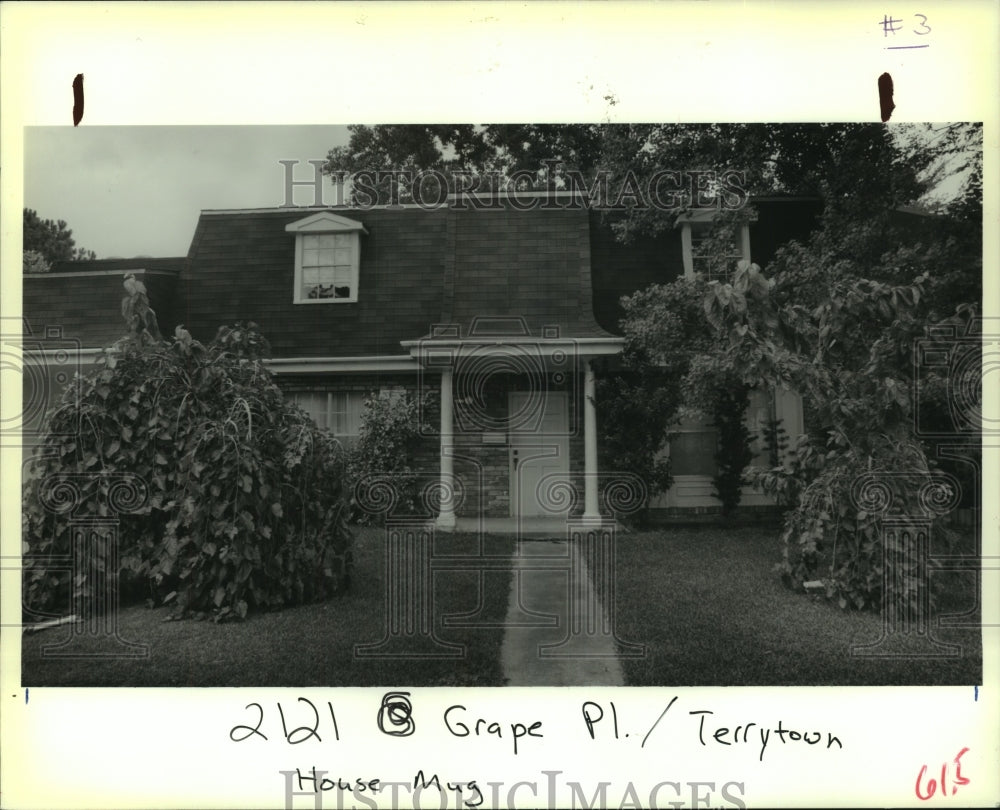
pixel 568 649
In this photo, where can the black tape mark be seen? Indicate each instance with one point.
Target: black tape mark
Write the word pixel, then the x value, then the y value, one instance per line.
pixel 885 102
pixel 77 99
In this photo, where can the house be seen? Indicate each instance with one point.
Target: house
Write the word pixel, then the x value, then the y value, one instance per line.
pixel 501 313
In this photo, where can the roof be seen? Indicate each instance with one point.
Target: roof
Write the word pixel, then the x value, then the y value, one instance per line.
pixel 418 268
pixel 83 299
pixel 171 265
pixel 469 274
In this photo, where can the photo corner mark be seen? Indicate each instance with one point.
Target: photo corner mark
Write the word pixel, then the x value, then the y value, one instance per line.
pixel 78 99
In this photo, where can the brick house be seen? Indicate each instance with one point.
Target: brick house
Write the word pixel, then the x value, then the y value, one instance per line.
pixel 502 313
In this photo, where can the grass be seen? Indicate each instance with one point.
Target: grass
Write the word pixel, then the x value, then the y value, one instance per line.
pixel 705 601
pixel 311 645
pixel 711 611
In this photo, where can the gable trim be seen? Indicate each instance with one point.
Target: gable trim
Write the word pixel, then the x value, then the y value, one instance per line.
pixel 325 222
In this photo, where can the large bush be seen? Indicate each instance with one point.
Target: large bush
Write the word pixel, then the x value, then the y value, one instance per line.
pixel 850 357
pixel 243 504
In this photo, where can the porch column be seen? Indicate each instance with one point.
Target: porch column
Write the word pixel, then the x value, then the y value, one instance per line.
pixel 591 511
pixel 446 517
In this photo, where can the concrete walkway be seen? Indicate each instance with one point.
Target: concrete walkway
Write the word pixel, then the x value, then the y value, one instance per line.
pixel 556 628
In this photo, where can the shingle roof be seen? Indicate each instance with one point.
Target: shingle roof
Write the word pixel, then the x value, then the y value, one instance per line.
pixel 83 299
pixel 418 268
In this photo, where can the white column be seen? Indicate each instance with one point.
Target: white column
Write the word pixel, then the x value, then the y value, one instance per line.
pixel 591 511
pixel 446 517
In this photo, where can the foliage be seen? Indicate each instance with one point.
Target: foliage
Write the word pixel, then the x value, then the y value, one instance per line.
pixel 645 391
pixel 868 166
pixel 850 357
pixel 243 504
pixel 734 453
pixel 636 404
pixel 837 319
pixel 383 455
pixel 53 240
pixel 469 157
pixel 668 371
pixel 775 440
pixel 34 262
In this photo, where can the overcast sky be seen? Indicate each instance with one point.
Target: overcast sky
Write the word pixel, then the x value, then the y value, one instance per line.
pixel 137 191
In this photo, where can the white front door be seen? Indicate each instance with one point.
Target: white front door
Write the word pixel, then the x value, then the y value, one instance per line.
pixel 539 457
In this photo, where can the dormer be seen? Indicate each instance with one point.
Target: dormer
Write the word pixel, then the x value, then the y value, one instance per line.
pixel 327 256
pixel 714 261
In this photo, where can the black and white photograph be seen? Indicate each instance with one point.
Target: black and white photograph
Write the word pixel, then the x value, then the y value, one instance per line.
pixel 487 405
pixel 627 451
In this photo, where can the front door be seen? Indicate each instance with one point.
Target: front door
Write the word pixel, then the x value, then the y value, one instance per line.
pixel 539 458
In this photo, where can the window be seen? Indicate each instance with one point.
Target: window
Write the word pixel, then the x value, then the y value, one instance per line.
pixel 327 266
pixel 693 453
pixel 336 411
pixel 693 447
pixel 327 257
pixel 707 259
pixel 711 251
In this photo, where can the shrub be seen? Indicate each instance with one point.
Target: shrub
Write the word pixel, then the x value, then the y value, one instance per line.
pixel 382 457
pixel 667 372
pixel 244 503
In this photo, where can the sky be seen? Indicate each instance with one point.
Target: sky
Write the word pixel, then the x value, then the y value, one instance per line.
pixel 136 190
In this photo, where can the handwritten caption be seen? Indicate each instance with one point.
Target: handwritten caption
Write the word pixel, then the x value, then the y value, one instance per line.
pixel 305 720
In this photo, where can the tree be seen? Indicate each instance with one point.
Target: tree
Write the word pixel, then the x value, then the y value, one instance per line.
pixel 52 240
pixel 474 158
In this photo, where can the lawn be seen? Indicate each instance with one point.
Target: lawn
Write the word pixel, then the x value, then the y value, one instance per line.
pixel 704 600
pixel 311 645
pixel 711 611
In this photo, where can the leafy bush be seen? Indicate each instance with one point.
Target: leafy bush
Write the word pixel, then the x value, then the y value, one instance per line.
pixel 850 356
pixel 244 504
pixel 668 370
pixel 383 455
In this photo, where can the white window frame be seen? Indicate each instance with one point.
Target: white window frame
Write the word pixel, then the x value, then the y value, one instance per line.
pixel 317 225
pixel 330 410
pixel 704 219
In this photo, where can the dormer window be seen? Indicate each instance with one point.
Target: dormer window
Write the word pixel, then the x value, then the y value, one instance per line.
pixel 710 250
pixel 327 256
